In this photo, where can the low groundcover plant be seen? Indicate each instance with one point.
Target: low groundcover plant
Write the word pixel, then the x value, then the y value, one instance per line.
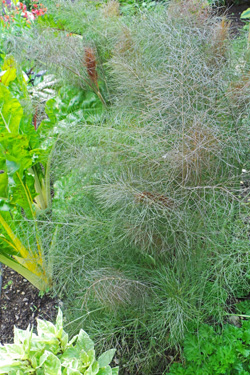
pixel 216 351
pixel 51 353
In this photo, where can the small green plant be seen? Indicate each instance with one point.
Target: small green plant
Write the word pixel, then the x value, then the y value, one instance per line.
pixel 216 351
pixel 51 353
pixel 9 283
pixel 243 308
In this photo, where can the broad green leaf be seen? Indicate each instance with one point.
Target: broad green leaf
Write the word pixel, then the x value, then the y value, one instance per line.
pixel 46 358
pixel 45 328
pixel 91 356
pixel 20 152
pixel 73 372
pixel 73 364
pixel 15 148
pixel 50 110
pixel 105 371
pixel 27 342
pixel 16 159
pixel 22 193
pixel 9 70
pixel 3 184
pixel 51 364
pixel 115 371
pixel 70 107
pixel 21 335
pixel 245 14
pixel 64 339
pixel 5 206
pixel 19 372
pixel 15 351
pixel 95 368
pixel 106 358
pixel 84 358
pixel 11 111
pixel 59 320
pixel 72 341
pixel 13 368
pixel 69 355
pixel 84 341
pixel 7 247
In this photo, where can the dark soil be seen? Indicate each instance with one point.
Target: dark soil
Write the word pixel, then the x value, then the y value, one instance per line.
pixel 233 12
pixel 20 305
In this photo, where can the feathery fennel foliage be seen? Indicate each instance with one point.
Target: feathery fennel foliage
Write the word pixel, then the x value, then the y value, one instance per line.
pixel 147 192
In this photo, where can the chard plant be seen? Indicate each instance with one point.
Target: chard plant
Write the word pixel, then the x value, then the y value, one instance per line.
pixel 50 352
pixel 14 121
pixel 24 183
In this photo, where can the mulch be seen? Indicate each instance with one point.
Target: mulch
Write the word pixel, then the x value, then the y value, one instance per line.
pixel 21 304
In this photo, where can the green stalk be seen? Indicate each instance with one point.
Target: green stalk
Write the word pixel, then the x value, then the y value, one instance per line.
pixel 52 246
pixel 27 274
pixel 41 202
pixel 47 179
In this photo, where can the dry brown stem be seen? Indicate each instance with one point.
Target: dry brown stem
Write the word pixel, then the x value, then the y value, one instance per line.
pixel 221 35
pixel 111 9
pixel 90 62
pixel 152 198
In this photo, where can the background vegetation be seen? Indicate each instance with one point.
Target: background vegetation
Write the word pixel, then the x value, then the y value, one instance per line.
pixel 149 220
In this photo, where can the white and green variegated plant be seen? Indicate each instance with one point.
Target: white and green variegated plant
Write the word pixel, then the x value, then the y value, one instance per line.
pixel 51 353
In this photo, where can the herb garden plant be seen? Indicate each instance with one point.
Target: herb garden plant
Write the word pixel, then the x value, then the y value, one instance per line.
pixel 24 179
pixel 50 352
pixel 216 351
pixel 147 190
pixel 148 219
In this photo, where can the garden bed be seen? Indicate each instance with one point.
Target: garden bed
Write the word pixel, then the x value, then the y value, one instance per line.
pixel 233 13
pixel 21 304
pixel 134 183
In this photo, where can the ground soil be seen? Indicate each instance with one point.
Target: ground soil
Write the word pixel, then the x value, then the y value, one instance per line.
pixel 233 12
pixel 20 305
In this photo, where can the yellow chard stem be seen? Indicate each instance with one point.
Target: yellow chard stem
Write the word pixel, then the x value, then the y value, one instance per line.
pixel 18 244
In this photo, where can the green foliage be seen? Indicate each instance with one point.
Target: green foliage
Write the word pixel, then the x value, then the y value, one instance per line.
pixel 51 353
pixel 146 195
pixel 214 351
pixel 72 105
pixel 134 6
pixel 245 14
pixel 243 307
pixel 151 230
pixel 24 179
pixel 22 152
pixel 18 26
